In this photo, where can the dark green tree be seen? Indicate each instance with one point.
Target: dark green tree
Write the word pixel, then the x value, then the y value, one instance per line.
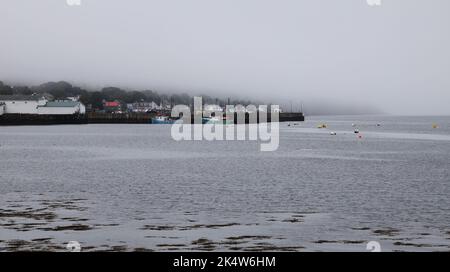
pixel 5 89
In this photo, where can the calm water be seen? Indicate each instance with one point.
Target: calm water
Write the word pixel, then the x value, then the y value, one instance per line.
pixel 131 187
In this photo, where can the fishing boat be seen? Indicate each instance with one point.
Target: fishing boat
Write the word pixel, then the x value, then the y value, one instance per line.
pixel 162 120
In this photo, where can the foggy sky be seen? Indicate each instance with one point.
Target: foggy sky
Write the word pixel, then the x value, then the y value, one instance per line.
pixel 395 57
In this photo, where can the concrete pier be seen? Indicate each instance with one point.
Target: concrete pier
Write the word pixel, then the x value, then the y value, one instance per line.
pixel 44 120
pixel 108 118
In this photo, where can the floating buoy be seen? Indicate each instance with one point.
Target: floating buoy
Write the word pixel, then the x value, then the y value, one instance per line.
pixel 289 125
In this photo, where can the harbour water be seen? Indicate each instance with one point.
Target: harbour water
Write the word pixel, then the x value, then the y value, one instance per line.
pixel 131 187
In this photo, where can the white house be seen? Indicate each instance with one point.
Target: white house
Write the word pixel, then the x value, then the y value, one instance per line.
pixel 155 106
pixel 22 104
pixel 143 106
pixel 35 104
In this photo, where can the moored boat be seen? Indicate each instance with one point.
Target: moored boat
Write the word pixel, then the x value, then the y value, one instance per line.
pixel 162 120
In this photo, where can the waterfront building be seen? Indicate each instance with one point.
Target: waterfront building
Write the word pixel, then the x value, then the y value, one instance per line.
pixel 62 107
pixel 143 107
pixel 211 110
pixel 38 105
pixel 22 104
pixel 112 106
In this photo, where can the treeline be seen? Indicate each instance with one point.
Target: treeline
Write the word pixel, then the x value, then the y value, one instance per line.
pixel 62 90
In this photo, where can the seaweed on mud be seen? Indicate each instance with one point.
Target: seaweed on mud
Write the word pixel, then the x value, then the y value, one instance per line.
pixel 386 232
pixel 74 219
pixel 419 245
pixel 142 249
pixel 151 227
pixel 36 214
pixel 161 237
pixel 398 239
pixel 114 249
pixel 40 214
pixel 202 241
pixel 235 248
pixel 204 244
pixel 23 227
pixel 411 244
pixel 292 220
pixel 246 237
pixel 38 245
pixel 107 225
pixel 41 240
pixel 233 242
pixel 270 247
pixel 7 225
pixel 182 228
pixel 339 242
pixel 171 245
pixel 67 205
pixel 207 247
pixel 212 226
pixel 75 227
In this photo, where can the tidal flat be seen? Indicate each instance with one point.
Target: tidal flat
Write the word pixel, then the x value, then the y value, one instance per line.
pixel 133 188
